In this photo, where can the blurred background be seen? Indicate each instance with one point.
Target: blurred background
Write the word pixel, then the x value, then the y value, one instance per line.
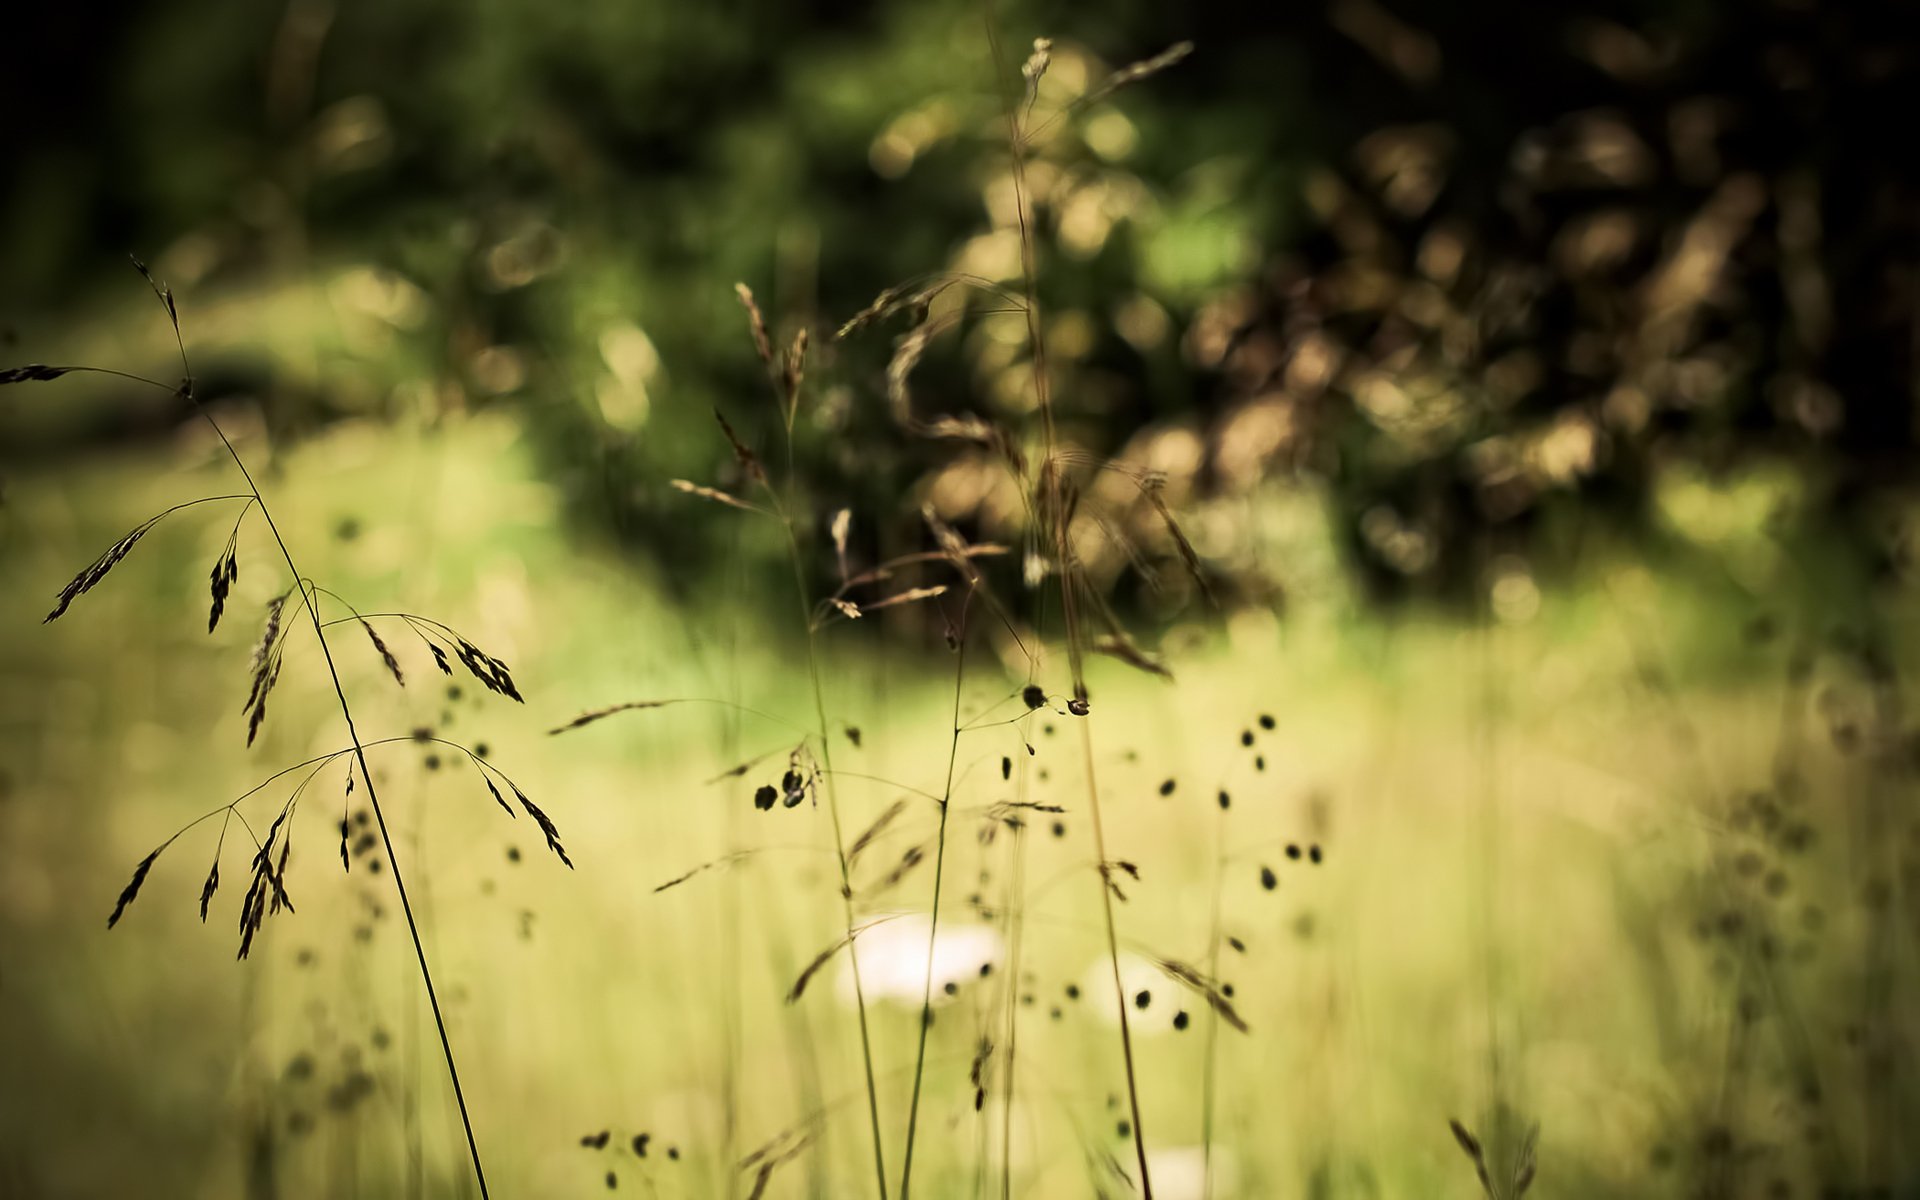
pixel 1534 392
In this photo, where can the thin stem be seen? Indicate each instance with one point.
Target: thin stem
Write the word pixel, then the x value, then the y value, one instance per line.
pixel 1210 1075
pixel 1016 927
pixel 840 855
pixel 933 927
pixel 1113 958
pixel 1055 517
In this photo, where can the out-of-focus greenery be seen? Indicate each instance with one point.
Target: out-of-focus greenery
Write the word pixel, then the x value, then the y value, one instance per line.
pixel 1470 269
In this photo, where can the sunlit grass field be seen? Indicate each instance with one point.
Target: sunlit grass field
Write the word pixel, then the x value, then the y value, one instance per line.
pixel 1628 860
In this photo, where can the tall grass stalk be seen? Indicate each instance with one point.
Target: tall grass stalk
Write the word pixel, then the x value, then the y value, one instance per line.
pixel 1209 1084
pixel 839 853
pixel 1016 929
pixel 1054 523
pixel 353 735
pixel 939 871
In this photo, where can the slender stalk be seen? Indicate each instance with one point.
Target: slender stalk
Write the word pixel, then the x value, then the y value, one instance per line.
pixel 840 856
pixel 1113 959
pixel 933 927
pixel 1054 510
pixel 1210 1079
pixel 1016 927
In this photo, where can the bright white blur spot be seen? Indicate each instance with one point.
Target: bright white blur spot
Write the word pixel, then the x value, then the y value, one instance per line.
pixel 893 958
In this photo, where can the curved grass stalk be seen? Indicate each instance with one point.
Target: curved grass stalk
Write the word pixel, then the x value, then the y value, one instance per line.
pixel 165 296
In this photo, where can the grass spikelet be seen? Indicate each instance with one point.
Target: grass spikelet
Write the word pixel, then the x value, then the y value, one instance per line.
pixel 545 823
pixel 1121 647
pixel 265 669
pixel 225 570
pixel 267 884
pixel 208 888
pixel 771 1158
pixel 907 353
pixel 346 863
pixel 1189 977
pixel 911 295
pixel 807 972
pixel 725 860
pixel 1523 1168
pixel 386 655
pixel 161 290
pixel 601 714
pixel 841 526
pixel 757 322
pixel 821 959
pixel 31 373
pixel 1151 491
pixel 269 633
pixel 908 861
pixel 1035 68
pixel 497 797
pixel 1470 1145
pixel 871 312
pixel 717 496
pixel 873 831
pixel 749 461
pixel 793 372
pixel 1133 73
pixel 97 570
pixel 490 671
pixel 132 889
pixel 910 596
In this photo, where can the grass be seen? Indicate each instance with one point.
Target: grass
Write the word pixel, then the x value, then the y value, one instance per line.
pixel 1354 898
pixel 1358 981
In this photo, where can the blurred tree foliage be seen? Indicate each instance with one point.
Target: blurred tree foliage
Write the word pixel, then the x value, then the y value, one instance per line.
pixel 1459 265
